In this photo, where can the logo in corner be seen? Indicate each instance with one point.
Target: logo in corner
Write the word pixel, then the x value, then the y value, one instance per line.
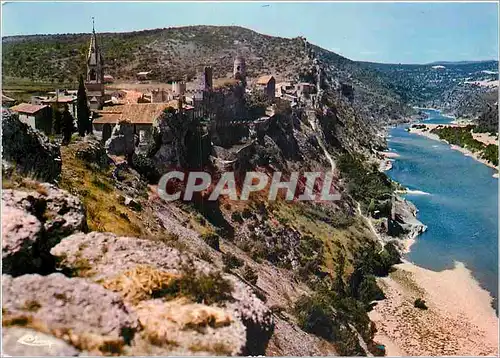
pixel 35 341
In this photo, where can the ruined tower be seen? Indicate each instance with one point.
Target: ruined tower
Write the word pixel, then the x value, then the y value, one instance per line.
pixel 207 78
pixel 240 70
pixel 94 82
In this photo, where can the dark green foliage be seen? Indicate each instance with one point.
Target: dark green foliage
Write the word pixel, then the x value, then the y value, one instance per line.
pixel 236 216
pixel 460 136
pixel 328 316
pixel 230 261
pixel 311 251
pixel 83 111
pixel 256 104
pixel 419 303
pixel 67 125
pixel 212 240
pixel 370 260
pixel 364 184
pixel 250 275
pixel 490 153
pixel 146 168
pixel 390 254
pixel 339 286
pixel 369 291
pixel 56 121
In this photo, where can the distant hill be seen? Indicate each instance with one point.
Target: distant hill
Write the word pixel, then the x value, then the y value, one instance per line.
pixel 426 85
pixel 459 62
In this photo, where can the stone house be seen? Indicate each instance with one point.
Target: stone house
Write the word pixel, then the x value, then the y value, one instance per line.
pixel 140 115
pixel 37 116
pixel 268 85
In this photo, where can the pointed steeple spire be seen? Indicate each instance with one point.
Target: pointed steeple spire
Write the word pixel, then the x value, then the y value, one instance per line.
pixel 95 65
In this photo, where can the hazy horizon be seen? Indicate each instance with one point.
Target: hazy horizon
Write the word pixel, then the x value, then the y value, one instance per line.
pixel 406 33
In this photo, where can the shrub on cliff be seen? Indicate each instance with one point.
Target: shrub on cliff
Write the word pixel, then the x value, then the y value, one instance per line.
pixel 369 291
pixel 250 275
pixel 145 167
pixel 230 261
pixel 364 183
pixel 329 317
pixel 212 240
pixel 420 303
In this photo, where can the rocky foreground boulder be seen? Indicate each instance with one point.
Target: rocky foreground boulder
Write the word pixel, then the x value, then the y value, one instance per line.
pixel 111 295
pixel 82 313
pixel 20 341
pixel 27 151
pixel 110 259
pixel 33 221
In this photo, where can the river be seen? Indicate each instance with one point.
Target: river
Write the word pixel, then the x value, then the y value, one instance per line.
pixel 457 198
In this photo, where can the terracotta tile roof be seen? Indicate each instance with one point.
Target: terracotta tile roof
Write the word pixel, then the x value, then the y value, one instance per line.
pixel 110 118
pixel 142 113
pixel 264 80
pixel 136 113
pixel 28 108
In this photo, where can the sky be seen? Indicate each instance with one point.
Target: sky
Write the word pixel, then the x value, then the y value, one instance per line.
pixel 378 32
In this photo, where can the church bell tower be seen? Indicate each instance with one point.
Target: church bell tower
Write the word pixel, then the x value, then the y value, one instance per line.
pixel 94 81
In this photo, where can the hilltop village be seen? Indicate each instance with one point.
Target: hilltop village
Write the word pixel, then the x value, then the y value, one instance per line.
pixel 227 107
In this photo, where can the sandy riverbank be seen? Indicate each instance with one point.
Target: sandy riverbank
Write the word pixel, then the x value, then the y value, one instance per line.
pixel 484 138
pixel 459 320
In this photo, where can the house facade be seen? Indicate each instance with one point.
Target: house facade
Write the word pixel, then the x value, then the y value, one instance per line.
pixel 268 85
pixel 36 116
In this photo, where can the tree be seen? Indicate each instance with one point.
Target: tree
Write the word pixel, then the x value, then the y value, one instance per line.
pixel 83 111
pixel 67 124
pixel 338 280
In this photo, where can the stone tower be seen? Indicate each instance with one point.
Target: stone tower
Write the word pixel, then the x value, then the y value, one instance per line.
pixel 94 82
pixel 240 69
pixel 207 78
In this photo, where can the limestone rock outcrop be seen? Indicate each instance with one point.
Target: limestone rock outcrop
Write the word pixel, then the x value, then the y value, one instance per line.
pixel 33 222
pixel 91 151
pixel 80 312
pixel 28 151
pixel 405 220
pixel 105 256
pixel 122 141
pixel 19 341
